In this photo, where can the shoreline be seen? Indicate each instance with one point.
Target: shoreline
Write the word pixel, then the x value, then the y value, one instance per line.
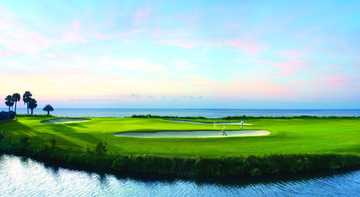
pixel 202 169
pixel 166 178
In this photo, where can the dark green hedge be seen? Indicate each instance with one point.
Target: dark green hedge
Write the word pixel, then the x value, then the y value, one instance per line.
pixel 152 166
pixel 7 115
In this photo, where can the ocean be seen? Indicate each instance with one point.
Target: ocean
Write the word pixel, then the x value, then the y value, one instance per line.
pixel 212 113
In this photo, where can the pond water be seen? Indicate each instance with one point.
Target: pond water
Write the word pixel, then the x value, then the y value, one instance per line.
pixel 194 134
pixel 23 177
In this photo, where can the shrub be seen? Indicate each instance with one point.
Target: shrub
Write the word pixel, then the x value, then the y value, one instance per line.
pixel 25 141
pixel 101 148
pixel 168 117
pixel 7 115
pixel 53 143
pixel 2 135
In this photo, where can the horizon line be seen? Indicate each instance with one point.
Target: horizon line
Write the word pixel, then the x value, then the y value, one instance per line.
pixel 195 108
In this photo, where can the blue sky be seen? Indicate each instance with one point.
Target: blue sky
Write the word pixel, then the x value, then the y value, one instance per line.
pixel 241 54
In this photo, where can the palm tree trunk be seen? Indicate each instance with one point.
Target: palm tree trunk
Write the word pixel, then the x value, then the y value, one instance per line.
pixel 32 111
pixel 15 107
pixel 48 113
pixel 27 108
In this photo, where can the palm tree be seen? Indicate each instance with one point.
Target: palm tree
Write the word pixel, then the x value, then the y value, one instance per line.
pixel 32 105
pixel 16 98
pixel 9 102
pixel 48 109
pixel 26 98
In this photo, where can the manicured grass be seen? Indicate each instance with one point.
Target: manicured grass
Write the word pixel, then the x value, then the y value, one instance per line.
pixel 288 136
pixel 296 146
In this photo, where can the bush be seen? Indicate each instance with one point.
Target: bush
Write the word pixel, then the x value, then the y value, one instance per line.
pixel 101 148
pixel 153 166
pixel 53 143
pixel 7 115
pixel 25 141
pixel 2 135
pixel 168 117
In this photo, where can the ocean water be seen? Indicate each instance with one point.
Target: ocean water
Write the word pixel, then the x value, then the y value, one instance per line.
pixel 121 112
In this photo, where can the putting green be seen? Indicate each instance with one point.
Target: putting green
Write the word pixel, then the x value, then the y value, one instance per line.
pixel 65 120
pixel 194 134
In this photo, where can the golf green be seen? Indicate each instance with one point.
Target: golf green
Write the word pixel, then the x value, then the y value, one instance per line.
pixel 288 136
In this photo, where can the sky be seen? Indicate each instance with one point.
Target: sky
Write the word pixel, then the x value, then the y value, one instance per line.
pixel 182 54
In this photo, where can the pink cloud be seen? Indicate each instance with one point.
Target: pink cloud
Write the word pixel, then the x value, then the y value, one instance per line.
pixel 141 15
pixel 336 81
pixel 292 54
pixel 261 88
pixel 17 38
pixel 6 53
pixel 252 88
pixel 291 62
pixel 102 36
pixel 181 43
pixel 132 65
pixel 289 67
pixel 177 38
pixel 250 47
pixel 74 34
pixel 182 40
pixel 332 86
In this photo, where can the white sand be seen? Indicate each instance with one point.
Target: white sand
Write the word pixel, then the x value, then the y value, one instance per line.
pixel 194 134
pixel 66 120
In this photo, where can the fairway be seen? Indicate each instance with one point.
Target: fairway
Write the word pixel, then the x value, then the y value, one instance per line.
pixel 288 136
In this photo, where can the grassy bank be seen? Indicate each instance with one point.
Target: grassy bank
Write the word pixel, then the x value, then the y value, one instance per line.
pixel 295 146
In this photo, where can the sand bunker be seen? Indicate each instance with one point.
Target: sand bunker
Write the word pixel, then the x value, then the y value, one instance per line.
pixel 216 123
pixel 65 120
pixel 194 134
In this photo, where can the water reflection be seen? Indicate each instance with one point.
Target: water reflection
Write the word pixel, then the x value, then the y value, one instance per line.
pixel 24 177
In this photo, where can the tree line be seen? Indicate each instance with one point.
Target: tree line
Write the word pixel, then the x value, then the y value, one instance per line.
pixel 11 101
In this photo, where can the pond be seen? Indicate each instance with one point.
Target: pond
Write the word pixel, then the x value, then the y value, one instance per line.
pixel 24 177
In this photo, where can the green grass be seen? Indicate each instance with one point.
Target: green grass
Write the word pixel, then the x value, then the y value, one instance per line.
pixel 288 136
pixel 295 146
